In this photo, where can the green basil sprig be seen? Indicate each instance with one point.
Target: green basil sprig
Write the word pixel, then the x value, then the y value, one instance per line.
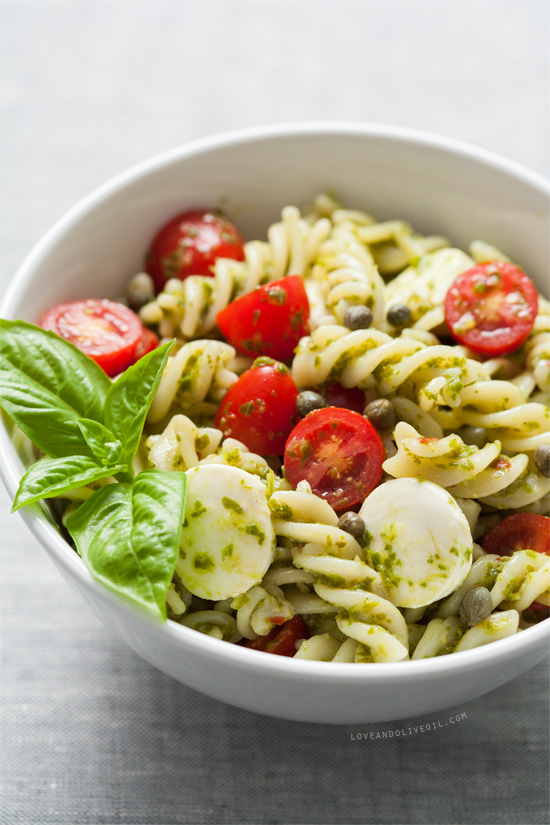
pixel 128 535
pixel 66 405
pixel 127 532
pixel 54 476
pixel 47 385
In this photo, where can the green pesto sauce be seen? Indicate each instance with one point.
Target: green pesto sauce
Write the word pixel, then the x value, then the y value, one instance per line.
pixel 512 589
pixel 280 510
pixel 363 655
pixel 247 408
pixel 254 530
pixel 190 372
pixel 492 624
pixel 277 295
pixel 233 456
pixel 204 561
pixel 330 580
pixel 177 462
pixel 240 601
pixel 349 356
pixel 227 551
pixel 386 566
pixel 231 504
pixel 198 509
pixel 201 442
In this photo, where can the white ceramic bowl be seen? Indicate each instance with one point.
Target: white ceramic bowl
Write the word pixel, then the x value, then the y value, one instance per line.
pixel 438 185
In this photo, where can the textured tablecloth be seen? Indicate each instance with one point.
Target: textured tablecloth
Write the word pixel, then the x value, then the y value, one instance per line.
pixel 91 733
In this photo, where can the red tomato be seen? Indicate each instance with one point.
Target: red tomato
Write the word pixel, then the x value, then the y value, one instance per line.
pixel 282 640
pixel 260 408
pixel 351 398
pixel 189 245
pixel 521 531
pixel 270 320
pixel 338 452
pixel 103 330
pixel 148 342
pixel 491 308
pixel 542 607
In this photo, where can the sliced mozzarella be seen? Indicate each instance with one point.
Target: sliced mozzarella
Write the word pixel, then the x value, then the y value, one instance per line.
pixel 420 540
pixel 227 539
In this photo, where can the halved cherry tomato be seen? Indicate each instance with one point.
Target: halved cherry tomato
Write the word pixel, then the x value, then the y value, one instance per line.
pixel 189 244
pixel 148 342
pixel 260 408
pixel 282 640
pixel 338 452
pixel 542 607
pixel 350 398
pixel 270 320
pixel 103 330
pixel 520 531
pixel 491 308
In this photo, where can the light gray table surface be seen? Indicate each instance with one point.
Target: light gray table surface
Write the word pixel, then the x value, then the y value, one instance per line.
pixel 90 732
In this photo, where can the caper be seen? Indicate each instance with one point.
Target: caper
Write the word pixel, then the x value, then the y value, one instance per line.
pixel 476 606
pixel 398 315
pixel 381 414
pixel 353 524
pixel 358 317
pixel 476 436
pixel 542 459
pixel 308 401
pixel 140 291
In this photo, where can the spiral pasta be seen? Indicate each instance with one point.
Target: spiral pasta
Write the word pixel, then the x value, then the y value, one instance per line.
pixel 501 408
pixel 422 288
pixel 393 244
pixel 470 425
pixel 216 623
pixel 537 347
pixel 448 636
pixel 514 583
pixel 189 308
pixel 260 608
pixel 195 378
pixel 182 445
pixel 465 470
pixel 371 359
pixel 340 575
pixel 344 273
pixel 325 648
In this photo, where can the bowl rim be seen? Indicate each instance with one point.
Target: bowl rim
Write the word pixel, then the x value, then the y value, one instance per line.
pixel 69 561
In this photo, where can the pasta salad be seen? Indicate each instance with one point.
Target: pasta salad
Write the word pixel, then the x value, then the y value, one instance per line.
pixel 333 444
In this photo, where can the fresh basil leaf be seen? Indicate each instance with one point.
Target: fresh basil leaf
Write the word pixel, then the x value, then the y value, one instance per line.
pixel 130 397
pixel 51 477
pixel 101 441
pixel 128 536
pixel 47 385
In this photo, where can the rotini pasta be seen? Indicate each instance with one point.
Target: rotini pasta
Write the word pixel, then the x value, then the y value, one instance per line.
pixel 195 378
pixel 469 427
pixel 188 308
pixel 537 347
pixel 340 576
pixel 465 470
pixel 380 496
pixel 371 359
pixel 259 609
